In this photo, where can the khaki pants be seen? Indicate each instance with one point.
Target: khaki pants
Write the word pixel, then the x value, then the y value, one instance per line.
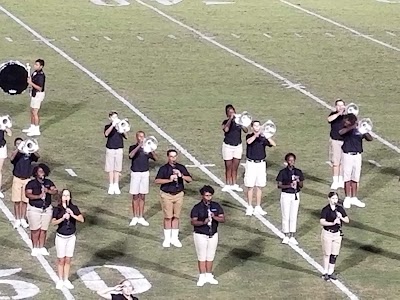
pixel 335 152
pixel 36 101
pixel 205 246
pixel 289 209
pixel 171 204
pixel 114 159
pixel 65 245
pixel 352 167
pixel 230 152
pixel 331 242
pixel 39 218
pixel 18 190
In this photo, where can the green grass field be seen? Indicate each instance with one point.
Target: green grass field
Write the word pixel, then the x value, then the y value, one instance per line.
pixel 182 84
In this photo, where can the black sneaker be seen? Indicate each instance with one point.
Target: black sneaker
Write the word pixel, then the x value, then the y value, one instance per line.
pixel 326 277
pixel 333 276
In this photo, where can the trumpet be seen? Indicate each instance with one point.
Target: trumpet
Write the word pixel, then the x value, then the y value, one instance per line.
pixel 268 129
pixel 243 119
pixel 352 108
pixel 5 122
pixel 149 144
pixel 365 126
pixel 28 146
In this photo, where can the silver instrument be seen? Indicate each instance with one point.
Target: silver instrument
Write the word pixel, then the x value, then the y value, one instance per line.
pixel 5 122
pixel 365 126
pixel 244 119
pixel 28 146
pixel 268 129
pixel 122 126
pixel 352 108
pixel 150 144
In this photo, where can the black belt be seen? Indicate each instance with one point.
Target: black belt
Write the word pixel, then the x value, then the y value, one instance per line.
pixel 256 160
pixel 352 153
pixel 172 193
pixel 332 230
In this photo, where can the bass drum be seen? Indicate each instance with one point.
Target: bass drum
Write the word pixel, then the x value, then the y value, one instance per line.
pixel 13 77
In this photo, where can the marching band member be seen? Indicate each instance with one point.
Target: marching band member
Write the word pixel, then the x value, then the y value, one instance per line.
pixel 335 119
pixel 290 181
pixel 39 191
pixel 232 148
pixel 65 215
pixel 171 177
pixel 140 177
pixel 206 215
pixel 3 153
pixel 256 167
pixel 22 172
pixel 123 291
pixel 352 159
pixel 37 84
pixel 331 220
pixel 114 153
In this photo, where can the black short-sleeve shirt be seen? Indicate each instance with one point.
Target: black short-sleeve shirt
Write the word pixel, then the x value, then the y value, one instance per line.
pixel 286 176
pixel 336 125
pixel 165 172
pixel 115 140
pixel 234 136
pixel 330 215
pixel 38 78
pixel 36 188
pixel 200 210
pixel 66 227
pixel 2 139
pixel 140 161
pixel 122 297
pixel 256 150
pixel 23 164
pixel 352 141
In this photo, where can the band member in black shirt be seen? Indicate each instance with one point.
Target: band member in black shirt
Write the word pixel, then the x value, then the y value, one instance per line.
pixel 123 291
pixel 232 149
pixel 331 220
pixel 171 177
pixel 65 215
pixel 290 181
pixel 22 172
pixel 3 153
pixel 140 178
pixel 255 176
pixel 114 153
pixel 335 119
pixel 205 216
pixel 352 159
pixel 37 84
pixel 39 192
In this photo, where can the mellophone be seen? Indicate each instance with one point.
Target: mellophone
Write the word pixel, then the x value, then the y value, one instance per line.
pixel 244 119
pixel 364 125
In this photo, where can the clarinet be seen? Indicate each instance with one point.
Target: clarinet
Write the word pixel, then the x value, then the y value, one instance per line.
pixel 209 219
pixel 68 221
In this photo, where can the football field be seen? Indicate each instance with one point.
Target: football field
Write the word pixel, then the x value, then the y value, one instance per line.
pixel 171 69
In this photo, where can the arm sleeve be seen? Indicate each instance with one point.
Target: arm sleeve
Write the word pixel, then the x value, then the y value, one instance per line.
pixel 161 173
pixel 279 177
pixel 76 210
pixel 220 210
pixel 34 157
pixel 301 176
pixel 185 172
pixel 194 213
pixel 342 211
pixel 55 212
pixel 323 214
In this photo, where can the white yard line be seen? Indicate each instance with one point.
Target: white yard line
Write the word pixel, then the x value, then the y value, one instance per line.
pixel 358 33
pixel 202 165
pixel 24 236
pixel 235 35
pixel 162 133
pixel 8 39
pixel 329 34
pixel 391 33
pixel 217 2
pixel 71 172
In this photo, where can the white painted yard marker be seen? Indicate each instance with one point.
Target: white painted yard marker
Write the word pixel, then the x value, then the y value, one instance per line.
pixel 235 35
pixel 107 38
pixel 50 40
pixel 329 34
pixel 140 38
pixel 8 39
pixel 75 38
pixel 391 33
pixel 373 162
pixel 298 35
pixel 71 172
pixel 329 163
pixel 267 35
pixel 366 36
pixel 202 165
pixel 217 2
pixel 293 85
pixel 171 36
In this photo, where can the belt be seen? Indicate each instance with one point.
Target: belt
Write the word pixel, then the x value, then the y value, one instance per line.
pixel 256 160
pixel 332 230
pixel 172 193
pixel 352 153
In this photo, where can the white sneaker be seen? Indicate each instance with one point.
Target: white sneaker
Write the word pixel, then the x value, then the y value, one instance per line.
pixel 237 188
pixel 1 195
pixel 202 280
pixel 177 243
pixel 17 223
pixel 24 223
pixel 68 284
pixel 167 238
pixel 111 189
pixel 27 129
pixel 285 240
pixel 347 202
pixel 334 185
pixel 210 279
pixel 166 244
pixel 35 131
pixel 143 222
pixel 226 188
pixel 293 241
pixel 249 210
pixel 59 285
pixel 341 184
pixel 259 210
pixel 134 221
pixel 117 191
pixel 35 251
pixel 44 251
pixel 356 202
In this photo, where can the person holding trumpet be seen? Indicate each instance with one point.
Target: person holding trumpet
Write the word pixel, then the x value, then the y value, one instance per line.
pixel 232 148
